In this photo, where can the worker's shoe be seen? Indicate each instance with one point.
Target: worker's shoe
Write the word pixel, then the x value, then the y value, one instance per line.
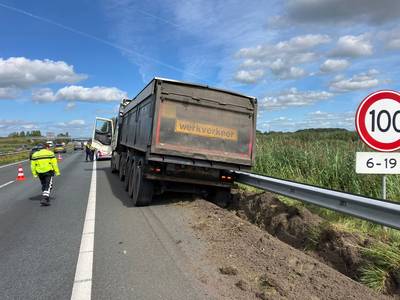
pixel 45 201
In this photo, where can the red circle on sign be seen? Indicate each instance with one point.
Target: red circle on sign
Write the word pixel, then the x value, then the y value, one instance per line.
pixel 360 120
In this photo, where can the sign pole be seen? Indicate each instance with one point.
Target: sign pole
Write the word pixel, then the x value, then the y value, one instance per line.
pixel 384 187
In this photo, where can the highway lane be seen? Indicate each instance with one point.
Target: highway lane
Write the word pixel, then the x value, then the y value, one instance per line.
pixel 39 245
pixel 136 254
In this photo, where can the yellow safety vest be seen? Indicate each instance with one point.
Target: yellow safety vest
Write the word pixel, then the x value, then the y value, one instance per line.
pixel 44 161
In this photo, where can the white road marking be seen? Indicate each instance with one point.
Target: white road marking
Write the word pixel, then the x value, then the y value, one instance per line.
pixel 3 185
pixel 82 289
pixel 13 164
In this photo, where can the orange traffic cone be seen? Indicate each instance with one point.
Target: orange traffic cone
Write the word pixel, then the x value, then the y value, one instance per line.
pixel 20 175
pixel 59 156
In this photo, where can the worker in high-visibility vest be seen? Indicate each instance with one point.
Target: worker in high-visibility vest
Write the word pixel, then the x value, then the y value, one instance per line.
pixel 89 149
pixel 44 165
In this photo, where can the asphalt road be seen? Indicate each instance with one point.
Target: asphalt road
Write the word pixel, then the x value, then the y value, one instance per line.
pixel 135 253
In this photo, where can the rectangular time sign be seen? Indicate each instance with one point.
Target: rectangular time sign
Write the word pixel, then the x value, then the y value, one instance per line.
pixel 378 162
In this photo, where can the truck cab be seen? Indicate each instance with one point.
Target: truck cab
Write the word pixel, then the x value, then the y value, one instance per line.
pixel 102 138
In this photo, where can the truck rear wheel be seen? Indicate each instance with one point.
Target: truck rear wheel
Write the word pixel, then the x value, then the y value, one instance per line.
pixel 128 167
pixel 121 168
pixel 113 165
pixel 131 184
pixel 142 188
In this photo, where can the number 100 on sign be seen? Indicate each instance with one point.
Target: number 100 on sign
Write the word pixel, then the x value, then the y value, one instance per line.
pixel 377 163
pixel 378 121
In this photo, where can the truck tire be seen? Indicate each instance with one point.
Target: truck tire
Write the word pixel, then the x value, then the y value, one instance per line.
pixel 121 172
pixel 128 168
pixel 131 184
pixel 142 188
pixel 113 166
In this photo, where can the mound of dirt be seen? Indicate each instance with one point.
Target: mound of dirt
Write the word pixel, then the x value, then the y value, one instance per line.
pixel 265 267
pixel 290 224
pixel 306 231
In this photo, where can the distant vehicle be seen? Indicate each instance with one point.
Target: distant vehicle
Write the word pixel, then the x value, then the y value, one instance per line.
pixel 35 149
pixel 78 146
pixel 184 137
pixel 59 148
pixel 50 143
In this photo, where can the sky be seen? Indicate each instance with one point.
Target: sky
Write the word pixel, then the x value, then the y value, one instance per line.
pixel 309 62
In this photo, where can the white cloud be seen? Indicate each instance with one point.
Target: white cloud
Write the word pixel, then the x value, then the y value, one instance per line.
pixel 391 38
pixel 357 82
pixel 70 105
pixel 283 58
pixel 353 46
pixel 16 125
pixel 77 122
pixel 282 69
pixel 43 95
pixel 251 76
pixel 72 123
pixel 317 119
pixel 293 98
pixel 21 72
pixel 8 93
pixel 334 65
pixel 79 93
pixel 394 44
pixel 323 11
pixel 294 45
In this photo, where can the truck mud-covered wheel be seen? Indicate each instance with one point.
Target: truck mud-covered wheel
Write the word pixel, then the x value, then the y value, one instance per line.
pixel 113 165
pixel 121 172
pixel 142 193
pixel 128 168
pixel 131 180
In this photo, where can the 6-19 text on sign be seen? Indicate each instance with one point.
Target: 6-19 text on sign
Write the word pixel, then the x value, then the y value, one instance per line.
pixel 377 163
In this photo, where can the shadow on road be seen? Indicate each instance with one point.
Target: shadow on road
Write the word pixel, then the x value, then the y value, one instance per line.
pixel 36 198
pixel 117 188
pixel 39 197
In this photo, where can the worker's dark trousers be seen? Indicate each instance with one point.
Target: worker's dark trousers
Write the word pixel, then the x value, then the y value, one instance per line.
pixel 46 179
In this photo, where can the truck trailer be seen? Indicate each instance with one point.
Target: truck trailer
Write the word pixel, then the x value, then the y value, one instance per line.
pixel 179 136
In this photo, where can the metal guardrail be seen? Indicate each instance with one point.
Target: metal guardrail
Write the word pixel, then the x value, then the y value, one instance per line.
pixel 379 211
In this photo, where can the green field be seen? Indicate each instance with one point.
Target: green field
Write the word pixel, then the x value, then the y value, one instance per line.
pixel 326 158
pixel 16 144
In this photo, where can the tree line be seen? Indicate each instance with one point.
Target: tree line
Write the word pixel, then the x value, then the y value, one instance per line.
pixel 33 133
pixel 24 134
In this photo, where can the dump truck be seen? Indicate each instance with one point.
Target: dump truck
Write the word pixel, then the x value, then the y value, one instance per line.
pixel 179 136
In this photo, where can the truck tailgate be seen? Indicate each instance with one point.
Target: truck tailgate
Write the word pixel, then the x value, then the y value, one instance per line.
pixel 205 130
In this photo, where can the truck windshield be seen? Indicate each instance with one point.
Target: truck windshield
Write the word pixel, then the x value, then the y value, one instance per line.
pixel 103 131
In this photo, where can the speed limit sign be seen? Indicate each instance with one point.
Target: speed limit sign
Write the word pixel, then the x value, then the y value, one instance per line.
pixel 378 120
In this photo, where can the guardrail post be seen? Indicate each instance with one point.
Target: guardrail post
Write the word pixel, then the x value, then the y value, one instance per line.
pixel 384 187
